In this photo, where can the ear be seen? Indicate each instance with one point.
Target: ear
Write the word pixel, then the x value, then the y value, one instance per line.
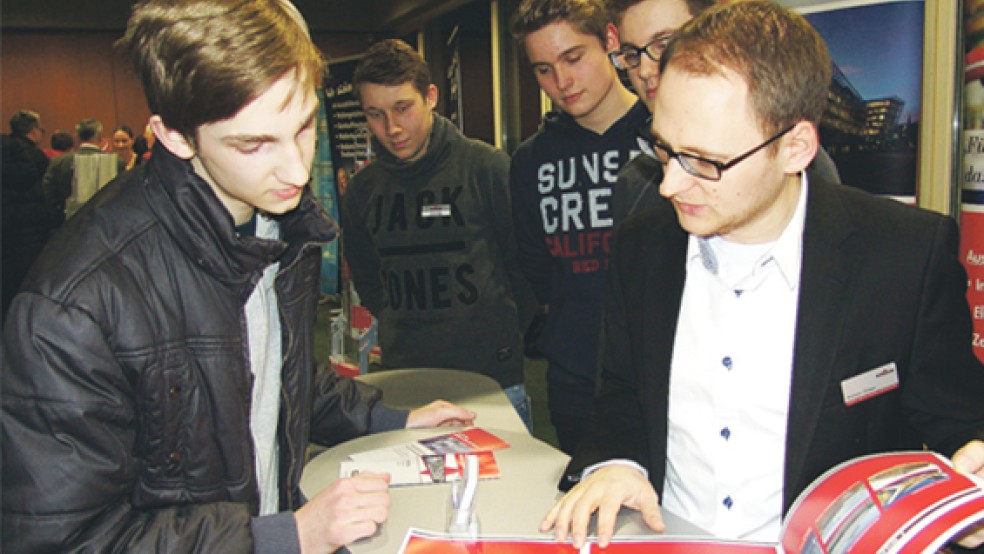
pixel 801 146
pixel 431 97
pixel 612 42
pixel 173 140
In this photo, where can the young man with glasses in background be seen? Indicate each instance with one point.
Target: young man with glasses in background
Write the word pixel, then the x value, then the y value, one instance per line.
pixel 739 313
pixel 644 28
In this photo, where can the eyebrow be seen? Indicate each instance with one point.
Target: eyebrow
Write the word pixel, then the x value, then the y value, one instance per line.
pixel 688 150
pixel 665 34
pixel 247 138
pixel 576 48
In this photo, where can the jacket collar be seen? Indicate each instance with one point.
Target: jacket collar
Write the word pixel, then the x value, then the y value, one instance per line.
pixel 443 136
pixel 203 229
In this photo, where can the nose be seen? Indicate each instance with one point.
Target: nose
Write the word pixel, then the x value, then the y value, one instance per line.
pixel 392 126
pixel 563 78
pixel 675 179
pixel 647 68
pixel 295 169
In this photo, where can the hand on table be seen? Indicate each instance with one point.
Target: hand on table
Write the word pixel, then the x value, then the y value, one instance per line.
pixel 440 413
pixel 605 491
pixel 970 459
pixel 348 510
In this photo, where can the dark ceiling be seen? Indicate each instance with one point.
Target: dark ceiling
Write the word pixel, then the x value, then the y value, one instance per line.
pixel 332 16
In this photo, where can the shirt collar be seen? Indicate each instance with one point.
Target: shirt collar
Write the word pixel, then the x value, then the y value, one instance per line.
pixel 786 251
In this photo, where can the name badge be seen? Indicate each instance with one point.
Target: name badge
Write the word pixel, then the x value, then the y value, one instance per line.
pixel 870 383
pixel 435 210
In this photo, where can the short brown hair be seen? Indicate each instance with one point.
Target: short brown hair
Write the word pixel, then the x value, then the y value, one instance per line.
pixel 392 62
pixel 617 8
pixel 202 61
pixel 587 16
pixel 24 121
pixel 774 50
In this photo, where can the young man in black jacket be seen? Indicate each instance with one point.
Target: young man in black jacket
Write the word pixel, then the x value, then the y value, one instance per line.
pixel 160 389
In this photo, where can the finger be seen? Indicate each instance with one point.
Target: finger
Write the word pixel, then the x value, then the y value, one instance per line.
pixel 653 517
pixel 970 458
pixel 580 518
pixel 607 515
pixel 354 531
pixel 549 519
pixel 369 482
pixel 562 521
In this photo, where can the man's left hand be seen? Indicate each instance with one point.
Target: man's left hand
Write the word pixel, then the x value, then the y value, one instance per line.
pixel 970 459
pixel 440 413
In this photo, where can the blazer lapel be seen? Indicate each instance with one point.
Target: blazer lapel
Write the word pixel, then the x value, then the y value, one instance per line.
pixel 824 288
pixel 665 273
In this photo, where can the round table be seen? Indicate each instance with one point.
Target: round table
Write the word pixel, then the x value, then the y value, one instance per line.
pixel 412 388
pixel 513 504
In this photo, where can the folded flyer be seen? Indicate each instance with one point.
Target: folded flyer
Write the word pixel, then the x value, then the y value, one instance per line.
pixel 435 459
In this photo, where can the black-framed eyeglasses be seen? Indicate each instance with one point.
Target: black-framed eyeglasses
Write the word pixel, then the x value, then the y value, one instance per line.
pixel 702 167
pixel 630 57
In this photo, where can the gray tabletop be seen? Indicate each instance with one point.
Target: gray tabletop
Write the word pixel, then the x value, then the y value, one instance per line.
pixel 412 388
pixel 512 505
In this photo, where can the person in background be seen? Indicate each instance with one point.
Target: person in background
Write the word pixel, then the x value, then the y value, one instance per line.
pixel 741 313
pixel 428 232
pixel 26 220
pixel 123 146
pixel 160 388
pixel 140 148
pixel 644 27
pixel 562 179
pixel 60 178
pixel 61 143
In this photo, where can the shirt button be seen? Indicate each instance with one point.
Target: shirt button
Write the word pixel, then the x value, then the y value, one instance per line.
pixel 726 433
pixel 728 503
pixel 727 362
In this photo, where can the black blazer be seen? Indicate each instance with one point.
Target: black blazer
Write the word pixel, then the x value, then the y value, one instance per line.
pixel 880 283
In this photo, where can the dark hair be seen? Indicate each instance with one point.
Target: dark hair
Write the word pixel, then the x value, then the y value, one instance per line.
pixel 140 148
pixel 201 61
pixel 62 141
pixel 774 50
pixel 23 122
pixel 617 8
pixel 88 129
pixel 392 62
pixel 125 128
pixel 587 16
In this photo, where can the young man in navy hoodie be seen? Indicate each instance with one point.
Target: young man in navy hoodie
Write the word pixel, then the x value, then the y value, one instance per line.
pixel 562 179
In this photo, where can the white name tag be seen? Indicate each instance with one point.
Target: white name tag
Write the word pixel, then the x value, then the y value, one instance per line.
pixel 435 210
pixel 870 383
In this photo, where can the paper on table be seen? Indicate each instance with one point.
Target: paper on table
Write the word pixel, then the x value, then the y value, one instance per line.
pixel 432 460
pixel 470 440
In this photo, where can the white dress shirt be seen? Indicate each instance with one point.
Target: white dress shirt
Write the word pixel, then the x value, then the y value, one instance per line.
pixel 730 383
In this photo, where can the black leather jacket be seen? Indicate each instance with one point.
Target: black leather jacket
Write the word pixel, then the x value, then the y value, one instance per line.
pixel 127 387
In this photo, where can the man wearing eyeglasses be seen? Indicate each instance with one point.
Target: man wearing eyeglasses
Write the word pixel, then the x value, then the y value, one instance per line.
pixel 644 27
pixel 764 325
